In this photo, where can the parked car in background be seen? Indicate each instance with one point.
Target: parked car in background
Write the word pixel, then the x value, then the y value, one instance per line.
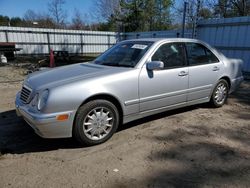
pixel 3 59
pixel 131 80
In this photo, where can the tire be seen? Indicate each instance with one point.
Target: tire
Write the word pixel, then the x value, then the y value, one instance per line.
pixel 95 122
pixel 220 94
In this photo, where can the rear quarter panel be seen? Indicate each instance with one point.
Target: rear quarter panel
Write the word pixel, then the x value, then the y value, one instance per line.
pixel 233 67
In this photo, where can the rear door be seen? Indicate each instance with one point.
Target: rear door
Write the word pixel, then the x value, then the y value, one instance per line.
pixel 204 71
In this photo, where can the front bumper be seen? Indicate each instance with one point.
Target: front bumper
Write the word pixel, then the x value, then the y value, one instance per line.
pixel 46 125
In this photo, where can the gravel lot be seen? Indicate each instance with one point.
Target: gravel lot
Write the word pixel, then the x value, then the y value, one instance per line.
pixel 196 146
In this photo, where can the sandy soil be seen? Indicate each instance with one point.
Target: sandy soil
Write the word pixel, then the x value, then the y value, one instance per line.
pixel 196 146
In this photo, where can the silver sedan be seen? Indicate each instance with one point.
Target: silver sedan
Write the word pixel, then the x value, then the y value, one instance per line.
pixel 131 80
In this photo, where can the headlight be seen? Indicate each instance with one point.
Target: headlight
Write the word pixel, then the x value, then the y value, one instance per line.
pixel 42 99
pixel 34 101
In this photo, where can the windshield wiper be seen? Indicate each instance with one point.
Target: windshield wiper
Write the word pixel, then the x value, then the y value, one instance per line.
pixel 116 65
pixel 109 64
pixel 125 65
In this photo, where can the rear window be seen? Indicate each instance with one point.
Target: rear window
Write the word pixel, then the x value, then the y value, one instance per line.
pixel 199 54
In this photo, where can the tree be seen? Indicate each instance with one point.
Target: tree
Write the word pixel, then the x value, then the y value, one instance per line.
pixel 142 15
pixel 149 15
pixel 205 13
pixel 232 8
pixel 57 12
pixel 107 14
pixel 241 7
pixel 107 26
pixel 77 21
pixel 105 9
pixel 43 20
pixel 17 22
pixel 30 15
pixel 14 21
pixel 4 20
pixel 222 8
pixel 162 17
pixel 131 15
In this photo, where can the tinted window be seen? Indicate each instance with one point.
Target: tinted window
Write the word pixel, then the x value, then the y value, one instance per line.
pixel 198 54
pixel 171 54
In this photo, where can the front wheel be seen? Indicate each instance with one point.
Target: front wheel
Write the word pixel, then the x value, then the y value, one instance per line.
pixel 96 121
pixel 220 94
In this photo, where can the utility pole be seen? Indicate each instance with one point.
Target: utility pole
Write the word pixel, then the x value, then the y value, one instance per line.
pixel 194 32
pixel 160 7
pixel 184 19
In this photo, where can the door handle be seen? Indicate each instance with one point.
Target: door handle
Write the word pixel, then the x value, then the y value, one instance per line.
pixel 215 68
pixel 183 73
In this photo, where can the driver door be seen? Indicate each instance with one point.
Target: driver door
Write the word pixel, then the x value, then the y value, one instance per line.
pixel 167 87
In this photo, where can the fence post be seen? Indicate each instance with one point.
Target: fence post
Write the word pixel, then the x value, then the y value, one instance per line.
pixel 184 19
pixel 6 36
pixel 108 41
pixel 120 36
pixel 81 35
pixel 48 39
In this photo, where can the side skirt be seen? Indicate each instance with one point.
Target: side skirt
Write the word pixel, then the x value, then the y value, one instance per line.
pixel 143 114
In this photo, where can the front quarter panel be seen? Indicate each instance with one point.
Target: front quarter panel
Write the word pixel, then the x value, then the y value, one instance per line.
pixel 123 86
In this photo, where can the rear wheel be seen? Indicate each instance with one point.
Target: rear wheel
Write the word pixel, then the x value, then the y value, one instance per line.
pixel 220 94
pixel 96 121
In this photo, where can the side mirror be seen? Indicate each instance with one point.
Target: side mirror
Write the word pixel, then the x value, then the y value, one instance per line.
pixel 155 65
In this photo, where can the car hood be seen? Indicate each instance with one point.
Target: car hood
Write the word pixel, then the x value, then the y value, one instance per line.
pixel 62 75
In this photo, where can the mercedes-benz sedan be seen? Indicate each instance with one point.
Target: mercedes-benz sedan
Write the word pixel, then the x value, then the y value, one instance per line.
pixel 131 80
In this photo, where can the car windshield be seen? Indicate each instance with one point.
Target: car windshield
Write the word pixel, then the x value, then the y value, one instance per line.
pixel 126 54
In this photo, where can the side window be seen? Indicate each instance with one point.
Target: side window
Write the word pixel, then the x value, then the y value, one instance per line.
pixel 211 57
pixel 199 54
pixel 171 54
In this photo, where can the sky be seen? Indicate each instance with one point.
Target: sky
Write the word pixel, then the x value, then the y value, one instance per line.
pixel 17 8
pixel 13 8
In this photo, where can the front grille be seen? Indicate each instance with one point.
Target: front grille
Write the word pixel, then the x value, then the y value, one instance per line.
pixel 25 94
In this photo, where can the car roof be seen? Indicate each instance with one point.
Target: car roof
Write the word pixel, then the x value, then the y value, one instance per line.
pixel 166 40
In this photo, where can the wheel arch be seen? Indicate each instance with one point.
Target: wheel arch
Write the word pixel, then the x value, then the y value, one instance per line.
pixel 109 98
pixel 227 80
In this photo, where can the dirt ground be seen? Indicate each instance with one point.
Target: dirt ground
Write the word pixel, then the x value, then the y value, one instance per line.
pixel 196 146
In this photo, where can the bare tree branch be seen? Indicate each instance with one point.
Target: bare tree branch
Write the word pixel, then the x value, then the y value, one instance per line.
pixel 57 12
pixel 105 8
pixel 77 20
